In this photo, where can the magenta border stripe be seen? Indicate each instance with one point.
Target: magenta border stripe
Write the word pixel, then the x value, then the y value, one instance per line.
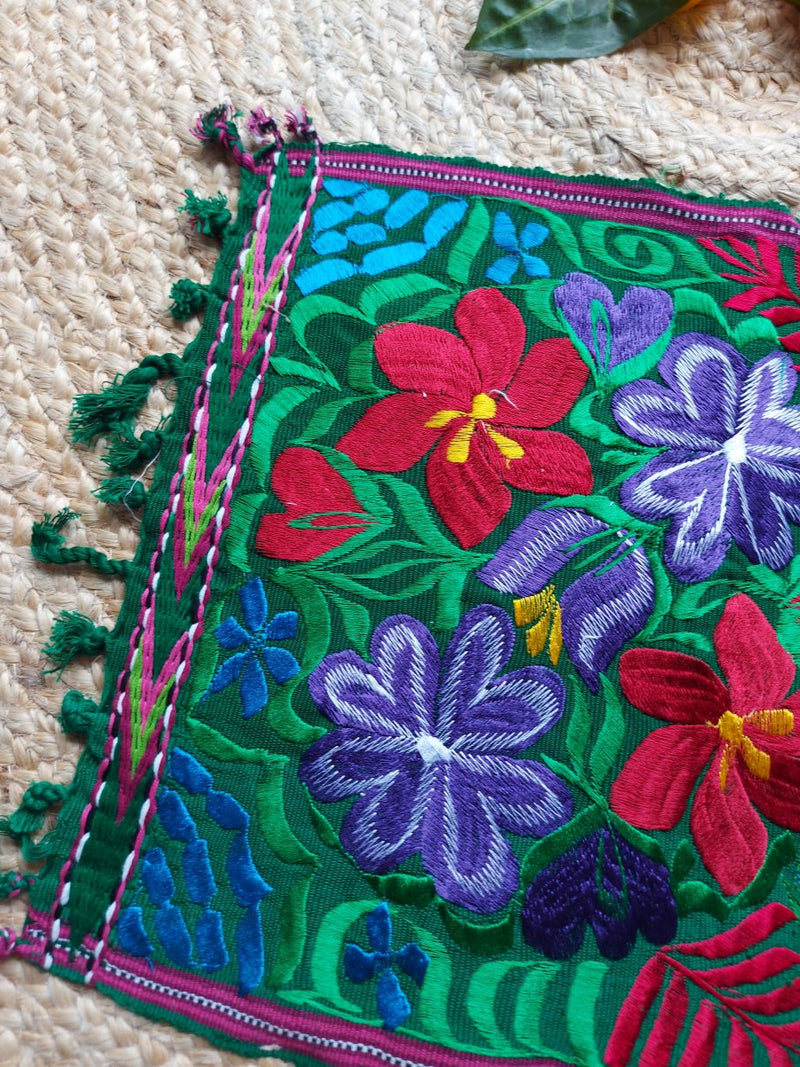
pixel 621 201
pixel 257 1021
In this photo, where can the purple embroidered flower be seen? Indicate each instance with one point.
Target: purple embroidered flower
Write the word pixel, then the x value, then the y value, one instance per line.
pixel 730 469
pixel 429 748
pixel 602 608
pixel 608 332
pixel 605 882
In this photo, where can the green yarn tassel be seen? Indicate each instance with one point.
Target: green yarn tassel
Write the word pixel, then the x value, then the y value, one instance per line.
pixel 47 545
pixel 210 216
pixel 29 817
pixel 188 298
pixel 77 712
pixel 113 410
pixel 128 452
pixel 125 490
pixel 74 635
pixel 12 883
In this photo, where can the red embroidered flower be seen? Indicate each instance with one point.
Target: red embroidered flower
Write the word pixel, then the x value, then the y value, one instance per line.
pixel 321 509
pixel 481 404
pixel 746 729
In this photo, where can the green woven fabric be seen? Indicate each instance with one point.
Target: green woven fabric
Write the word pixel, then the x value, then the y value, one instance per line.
pixel 450 715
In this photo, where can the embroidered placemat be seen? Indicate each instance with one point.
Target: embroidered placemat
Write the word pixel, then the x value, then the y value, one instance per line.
pixel 449 717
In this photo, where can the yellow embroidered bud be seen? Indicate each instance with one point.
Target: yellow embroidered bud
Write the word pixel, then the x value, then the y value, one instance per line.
pixel 542 612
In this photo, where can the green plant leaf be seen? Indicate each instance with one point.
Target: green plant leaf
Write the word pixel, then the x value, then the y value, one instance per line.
pixel 272 821
pixel 479 939
pixel 236 539
pixel 385 292
pixel 579 729
pixel 583 997
pixel 530 1002
pixel 549 29
pixel 355 619
pixel 468 244
pixel 266 424
pixel 291 933
pixel 609 740
pixel 313 370
pixel 646 255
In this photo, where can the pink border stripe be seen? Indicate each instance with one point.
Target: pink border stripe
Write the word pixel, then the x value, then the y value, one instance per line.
pixel 257 1021
pixel 621 202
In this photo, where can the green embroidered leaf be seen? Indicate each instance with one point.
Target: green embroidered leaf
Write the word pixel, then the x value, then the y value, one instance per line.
pixel 315 371
pixel 582 419
pixel 560 232
pixel 756 337
pixel 552 846
pixel 690 302
pixel 326 415
pixel 689 603
pixel 452 580
pixel 481 993
pixel 380 295
pixel 325 966
pixel 642 363
pixel 553 29
pixel 468 244
pixel 649 256
pixel 236 539
pixel 772 581
pixel 530 1001
pixel 609 740
pixel 699 642
pixel 270 416
pixel 415 512
pixel 479 939
pixel 435 306
pixel 205 658
pixel 212 743
pixel 360 365
pixel 606 510
pixel 412 889
pixel 272 821
pixel 356 622
pixel 682 862
pixel 291 933
pixel 583 996
pixel 435 992
pixel 325 831
pixel 579 729
pixel 663 595
pixel 538 298
pixel 310 308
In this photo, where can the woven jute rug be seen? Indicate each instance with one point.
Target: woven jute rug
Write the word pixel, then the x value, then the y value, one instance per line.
pixel 95 153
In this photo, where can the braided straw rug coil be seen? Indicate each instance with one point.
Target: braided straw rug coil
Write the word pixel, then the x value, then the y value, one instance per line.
pixel 95 154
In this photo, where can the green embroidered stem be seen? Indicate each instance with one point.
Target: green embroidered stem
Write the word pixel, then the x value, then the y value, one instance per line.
pixel 188 298
pixel 99 414
pixel 210 215
pixel 121 490
pixel 74 635
pixel 128 452
pixel 47 545
pixel 77 712
pixel 12 883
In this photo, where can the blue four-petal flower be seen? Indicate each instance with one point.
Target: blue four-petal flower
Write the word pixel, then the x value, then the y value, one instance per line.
pixel 517 249
pixel 248 666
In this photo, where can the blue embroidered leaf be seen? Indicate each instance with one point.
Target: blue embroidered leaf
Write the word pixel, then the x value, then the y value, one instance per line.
pixel 250 950
pixel 413 962
pixel 174 817
pixel 253 688
pixel 535 267
pixel 131 933
pixel 604 608
pixel 505 232
pixel 228 672
pixel 156 877
pixel 393 1005
pixel 442 221
pixel 405 208
pixel 173 935
pixel 226 811
pixel 197 873
pixel 320 274
pixel 503 269
pixel 246 883
pixel 401 255
pixel 211 951
pixel 532 235
pixel 189 773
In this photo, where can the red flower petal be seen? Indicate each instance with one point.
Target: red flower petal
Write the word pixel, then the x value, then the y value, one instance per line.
pixel 748 299
pixel 777 797
pixel 470 497
pixel 495 333
pixel 758 668
pixel 730 837
pixel 306 484
pixel 672 686
pixel 424 359
pixel 781 316
pixel 553 463
pixel 545 387
pixel 654 786
pixel 392 436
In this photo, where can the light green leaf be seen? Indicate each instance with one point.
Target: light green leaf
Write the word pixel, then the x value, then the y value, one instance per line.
pixel 385 292
pixel 291 933
pixel 690 302
pixel 326 958
pixel 312 307
pixel 326 415
pixel 266 423
pixel 579 729
pixel 468 244
pixel 549 29
pixel 647 255
pixel 435 992
pixel 530 1001
pixel 212 743
pixel 356 622
pixel 480 1002
pixel 236 539
pixel 272 821
pixel 609 740
pixel 314 370
pixel 581 1004
pixel 538 298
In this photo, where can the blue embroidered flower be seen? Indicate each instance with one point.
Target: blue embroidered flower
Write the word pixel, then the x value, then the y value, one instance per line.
pixel 730 465
pixel 430 747
pixel 248 667
pixel 517 250
pixel 608 333
pixel 606 882
pixel 599 610
pixel 361 966
pixel 348 220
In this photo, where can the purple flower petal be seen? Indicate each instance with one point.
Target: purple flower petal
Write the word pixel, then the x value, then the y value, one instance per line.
pixel 537 550
pixel 757 518
pixel 406 659
pixel 604 608
pixel 352 693
pixel 462 846
pixel 382 829
pixel 516 709
pixel 522 796
pixel 345 762
pixel 480 648
pixel 558 902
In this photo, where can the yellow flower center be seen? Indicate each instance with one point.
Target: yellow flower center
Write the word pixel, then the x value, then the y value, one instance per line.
pixel 484 409
pixel 777 722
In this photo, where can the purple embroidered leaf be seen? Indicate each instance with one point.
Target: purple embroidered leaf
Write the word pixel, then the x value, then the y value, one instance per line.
pixel 604 608
pixel 537 550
